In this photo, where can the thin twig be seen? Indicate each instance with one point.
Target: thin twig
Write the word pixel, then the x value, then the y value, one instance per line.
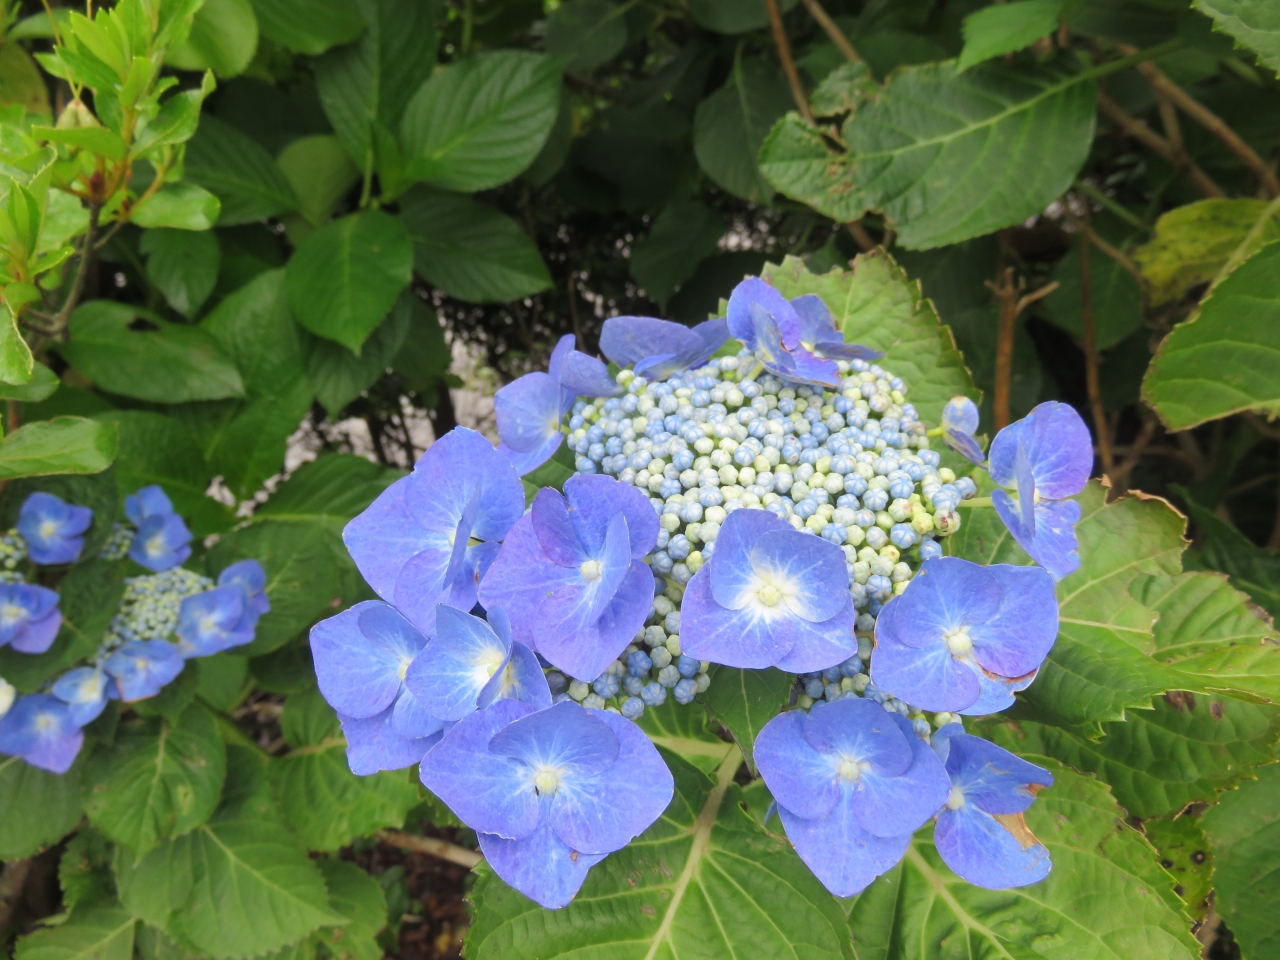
pixel 860 236
pixel 832 30
pixel 437 848
pixel 87 250
pixel 1006 292
pixel 1086 230
pixel 1120 474
pixel 788 64
pixel 1128 216
pixel 1132 127
pixel 581 342
pixel 1091 361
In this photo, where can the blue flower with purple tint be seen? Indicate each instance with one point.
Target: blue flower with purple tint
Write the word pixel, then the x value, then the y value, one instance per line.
pixel 29 617
pixel 250 579
pixel 84 691
pixel 959 424
pixel 963 637
pixel 53 529
pixel 981 833
pixel 1045 458
pixel 819 335
pixel 39 728
pixel 163 541
pixel 659 348
pixel 148 502
pixel 361 658
pixel 213 621
pixel 470 663
pixel 142 668
pixel 769 596
pixel 550 793
pixel 852 782
pixel 430 536
pixel 570 575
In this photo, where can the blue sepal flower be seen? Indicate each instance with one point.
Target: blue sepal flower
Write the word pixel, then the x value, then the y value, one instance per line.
pixel 570 575
pixel 84 691
pixel 414 544
pixel 251 580
pixel 29 617
pixel 959 424
pixel 981 833
pixel 39 728
pixel 852 782
pixel 398 737
pixel 818 332
pixel 163 541
pixel 361 657
pixel 53 529
pixel 769 596
pixel 142 668
pixel 659 348
pixel 213 621
pixel 148 502
pixel 550 792
pixel 1046 458
pixel 768 324
pixel 963 634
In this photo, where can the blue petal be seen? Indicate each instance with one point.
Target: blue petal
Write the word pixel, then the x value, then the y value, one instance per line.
pixel 799 777
pixel 995 693
pixel 1058 448
pixel 889 806
pixel 521 678
pixel 37 636
pixel 817 646
pixel 1053 544
pixel 459 470
pixel 360 675
pixel 861 730
pixel 583 649
pixel 84 691
pixel 528 411
pixel 374 745
pixel 541 866
pixel 815 319
pixel 839 350
pixel 411 720
pixel 520 578
pixel 383 538
pixel 990 777
pixel 712 335
pixel 39 729
pixel 732 575
pixel 615 562
pixel 249 576
pixel 524 463
pixel 736 638
pixel 1020 635
pixel 487 791
pixel 449 673
pixel 568 738
pixel 161 542
pixel 593 502
pixel 960 414
pixel 52 528
pixel 761 317
pixel 1025 483
pixel 433 577
pixel 812 569
pixel 946 594
pixel 928 677
pixel 142 668
pixel 964 445
pixel 556 532
pixel 658 367
pixel 211 622
pixel 148 502
pixel 631 340
pixel 839 852
pixel 586 376
pixel 984 852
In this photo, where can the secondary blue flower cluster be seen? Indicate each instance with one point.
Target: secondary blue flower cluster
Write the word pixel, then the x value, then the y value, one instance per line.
pixel 164 618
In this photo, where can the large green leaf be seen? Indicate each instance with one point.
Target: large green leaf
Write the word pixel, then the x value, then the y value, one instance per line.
pixel 703 882
pixel 1114 294
pixel 183 264
pixel 358 897
pixel 1224 548
pixel 254 327
pixel 309 26
pixel 338 376
pixel 329 490
pixel 60 445
pixel 731 124
pixel 877 305
pixel 321 173
pixel 1244 829
pixel 744 701
pixel 158 780
pixel 944 155
pixel 682 236
pixel 251 447
pixel 37 808
pixel 99 932
pixel 588 32
pixel 223 38
pixel 688 733
pixel 1107 897
pixel 734 16
pixel 1254 23
pixel 481 121
pixel 147 358
pixel 239 171
pixel 1222 361
pixel 42 385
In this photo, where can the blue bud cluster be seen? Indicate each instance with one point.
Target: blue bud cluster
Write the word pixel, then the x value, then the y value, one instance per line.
pixel 13 551
pixel 152 604
pixel 118 542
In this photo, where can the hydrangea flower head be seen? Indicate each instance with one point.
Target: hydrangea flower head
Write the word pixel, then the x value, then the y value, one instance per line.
pixel 29 617
pixel 550 792
pixel 852 782
pixel 470 663
pixel 361 658
pixel 659 348
pixel 769 596
pixel 1045 458
pixel 213 621
pixel 142 668
pixel 163 541
pixel 251 580
pixel 981 833
pixel 429 536
pixel 959 424
pixel 962 636
pixel 84 691
pixel 148 502
pixel 53 528
pixel 39 728
pixel 570 575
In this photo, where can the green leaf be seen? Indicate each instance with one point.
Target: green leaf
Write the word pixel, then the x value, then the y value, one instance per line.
pixel 480 121
pixel 309 26
pixel 744 701
pixel 144 357
pixel 424 357
pixel 359 898
pixel 731 124
pixel 939 152
pixel 344 278
pixel 1192 243
pixel 1253 23
pixel 94 933
pixel 158 780
pixel 845 88
pixel 223 38
pixel 682 236
pixel 704 881
pixel 21 82
pixel 176 696
pixel 254 327
pixel 1244 829
pixel 42 385
pixel 239 172
pixel 1221 361
pixel 183 264
pixel 1114 294
pixel 338 376
pixel 16 362
pixel 224 681
pixel 60 445
pixel 1224 548
pixel 1185 852
pixel 1107 897
pixel 687 733
pixel 471 251
pixel 329 490
pixel 37 808
pixel 588 32
pixel 995 31
pixel 252 446
pixel 734 16
pixel 876 305
pixel 182 206
pixel 320 173
pixel 84 870
pixel 371 80
pixel 96 140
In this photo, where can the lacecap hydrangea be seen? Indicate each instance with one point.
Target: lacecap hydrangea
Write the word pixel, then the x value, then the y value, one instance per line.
pixel 752 492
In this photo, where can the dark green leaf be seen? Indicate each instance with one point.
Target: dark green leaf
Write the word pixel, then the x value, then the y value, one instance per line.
pixel 60 445
pixel 338 376
pixel 37 808
pixel 223 38
pixel 588 32
pixel 254 327
pixel 84 870
pixel 423 360
pixel 94 933
pixel 224 680
pixel 1185 852
pixel 287 670
pixel 744 701
pixel 681 237
pixel 1224 548
pixel 734 16
pixel 994 31
pixel 176 696
pixel 183 264
pixel 358 897
pixel 309 26
pixel 241 173
pixel 251 448
pixel 320 173
pixel 1114 294
pixel 731 124
pixel 331 490
pixel 1254 24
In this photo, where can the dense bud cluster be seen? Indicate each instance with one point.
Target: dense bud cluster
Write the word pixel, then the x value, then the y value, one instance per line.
pixel 152 604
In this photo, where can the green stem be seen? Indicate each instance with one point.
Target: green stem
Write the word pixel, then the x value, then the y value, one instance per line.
pixel 976 502
pixel 1132 60
pixel 1089 190
pixel 468 19
pixel 936 432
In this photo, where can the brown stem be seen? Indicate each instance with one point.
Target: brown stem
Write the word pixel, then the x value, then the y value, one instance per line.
pixel 437 848
pixel 87 253
pixel 1091 361
pixel 573 314
pixel 832 30
pixel 1120 474
pixel 12 881
pixel 1169 121
pixel 1087 231
pixel 1132 127
pixel 1006 292
pixel 788 64
pixel 443 417
pixel 860 236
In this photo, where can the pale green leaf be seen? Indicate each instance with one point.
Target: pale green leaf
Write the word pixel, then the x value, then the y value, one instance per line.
pixel 731 124
pixel 181 206
pixel 1254 24
pixel 16 361
pixel 223 38
pixel 845 88
pixel 60 445
pixel 21 82
pixel 94 933
pixel 320 172
pixel 42 385
pixel 1005 28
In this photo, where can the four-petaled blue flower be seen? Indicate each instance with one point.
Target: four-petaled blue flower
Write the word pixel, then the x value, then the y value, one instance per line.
pixel 963 637
pixel 959 423
pixel 361 658
pixel 852 782
pixel 148 502
pixel 549 793
pixel 659 348
pixel 39 728
pixel 213 621
pixel 769 596
pixel 29 617
pixel 414 543
pixel 163 541
pixel 142 668
pixel 570 574
pixel 981 833
pixel 1045 457
pixel 250 579
pixel 469 664
pixel 53 529
pixel 84 690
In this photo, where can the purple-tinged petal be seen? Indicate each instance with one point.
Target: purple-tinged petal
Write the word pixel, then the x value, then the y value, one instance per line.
pixel 451 671
pixel 541 866
pixel 839 350
pixel 1025 483
pixel 148 502
pixel 360 664
pixel 213 621
pixel 161 542
pixel 52 528
pixel 411 720
pixel 489 792
pixel 733 579
pixel 1057 446
pixel 1020 635
pixel 811 369
pixel 839 852
pixel 613 564
pixel 928 677
pixel 959 423
pixel 593 502
pixel 555 531
pixel 964 445
pixel 29 617
pixel 520 578
pixel 555 366
pixel 373 744
pixel 142 668
pixel 736 638
pixel 658 367
pixel 809 571
pixel 39 728
pixel 587 653
pixel 990 777
pixel 947 594
pixel 757 310
pixel 859 730
pixel 1053 544
pixel 586 376
pixel 525 463
pixel 820 645
pixel 460 469
pixel 888 806
pixel 383 538
pixel 528 411
pixel 437 576
pixel 799 777
pixel 632 340
pixel 816 322
pixel 995 693
pixel 567 738
pixel 985 852
pixel 249 577
pixel 84 691
pixel 521 678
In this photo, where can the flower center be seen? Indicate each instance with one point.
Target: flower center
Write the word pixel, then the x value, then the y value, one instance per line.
pixel 769 595
pixel 44 721
pixel 403 668
pixel 590 570
pixel 208 625
pixel 955 799
pixel 11 613
pixel 958 642
pixel 155 546
pixel 546 781
pixel 850 769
